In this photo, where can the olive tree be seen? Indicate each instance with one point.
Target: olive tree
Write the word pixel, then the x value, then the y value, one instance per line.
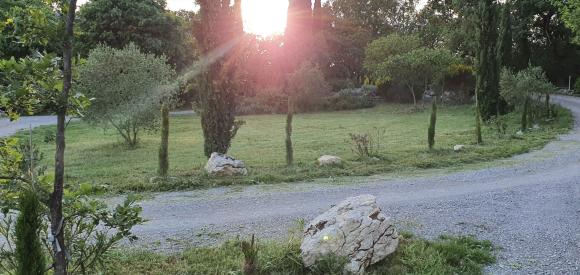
pixel 126 88
pixel 417 68
pixel 519 89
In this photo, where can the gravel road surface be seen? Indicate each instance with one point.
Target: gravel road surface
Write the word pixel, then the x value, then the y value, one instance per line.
pixel 528 205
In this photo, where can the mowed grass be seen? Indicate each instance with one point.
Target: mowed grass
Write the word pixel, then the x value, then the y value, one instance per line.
pixel 446 255
pixel 99 157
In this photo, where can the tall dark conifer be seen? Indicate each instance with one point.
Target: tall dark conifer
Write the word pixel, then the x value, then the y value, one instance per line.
pixel 218 35
pixel 487 84
pixel 505 45
pixel 297 48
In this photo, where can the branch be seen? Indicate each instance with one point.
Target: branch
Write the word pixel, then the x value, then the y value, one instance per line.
pixel 15 178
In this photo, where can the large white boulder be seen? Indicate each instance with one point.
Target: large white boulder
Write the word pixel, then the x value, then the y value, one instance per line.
pixel 458 148
pixel 355 228
pixel 224 165
pixel 327 160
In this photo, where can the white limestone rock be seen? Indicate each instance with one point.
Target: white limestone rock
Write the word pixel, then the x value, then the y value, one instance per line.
pixel 224 165
pixel 328 160
pixel 355 228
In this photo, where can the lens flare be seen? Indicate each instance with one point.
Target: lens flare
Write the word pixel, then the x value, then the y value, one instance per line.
pixel 265 17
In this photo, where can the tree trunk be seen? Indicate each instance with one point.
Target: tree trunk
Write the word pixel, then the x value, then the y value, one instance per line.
pixel 56 216
pixel 164 147
pixel 289 147
pixel 525 115
pixel 432 124
pixel 478 136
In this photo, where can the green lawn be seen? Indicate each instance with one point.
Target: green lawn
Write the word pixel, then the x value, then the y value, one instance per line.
pixel 98 157
pixel 446 255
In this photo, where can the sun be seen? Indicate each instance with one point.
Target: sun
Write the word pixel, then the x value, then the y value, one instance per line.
pixel 265 17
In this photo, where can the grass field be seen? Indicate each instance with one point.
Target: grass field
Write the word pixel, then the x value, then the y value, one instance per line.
pixel 98 157
pixel 447 255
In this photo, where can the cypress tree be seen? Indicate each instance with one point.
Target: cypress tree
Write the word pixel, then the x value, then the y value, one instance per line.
pixel 164 147
pixel 298 43
pixel 29 255
pixel 432 123
pixel 505 45
pixel 487 77
pixel 220 28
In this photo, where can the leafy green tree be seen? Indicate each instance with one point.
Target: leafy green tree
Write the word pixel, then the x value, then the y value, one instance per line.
pixel 146 23
pixel 127 87
pixel 570 11
pixel 417 68
pixel 380 50
pixel 519 88
pixel 29 253
pixel 27 26
pixel 219 27
pixel 382 17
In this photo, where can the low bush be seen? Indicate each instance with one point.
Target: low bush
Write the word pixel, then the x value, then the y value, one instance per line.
pixel 446 255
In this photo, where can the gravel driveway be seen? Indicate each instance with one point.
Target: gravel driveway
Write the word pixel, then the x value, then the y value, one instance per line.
pixel 528 205
pixel 8 128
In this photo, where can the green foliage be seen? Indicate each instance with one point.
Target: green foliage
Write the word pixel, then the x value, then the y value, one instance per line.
pixel 446 255
pixel 432 124
pixel 487 72
pixel 34 84
pixel 30 256
pixel 570 15
pixel 126 87
pixel 577 86
pixel 505 43
pixel 368 145
pixel 146 23
pixel 260 144
pixel 522 87
pixel 27 26
pixel 93 230
pixel 250 251
pixel 307 88
pixel 164 146
pixel 384 48
pixel 417 68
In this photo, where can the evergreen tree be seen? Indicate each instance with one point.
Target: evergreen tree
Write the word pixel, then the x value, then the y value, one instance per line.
pixel 29 255
pixel 487 83
pixel 220 28
pixel 505 45
pixel 164 147
pixel 298 42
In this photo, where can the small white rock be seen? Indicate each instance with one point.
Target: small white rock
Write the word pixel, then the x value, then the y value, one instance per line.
pixel 519 133
pixel 536 127
pixel 328 160
pixel 458 148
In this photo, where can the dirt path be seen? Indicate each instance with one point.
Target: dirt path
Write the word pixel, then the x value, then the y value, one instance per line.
pixel 8 128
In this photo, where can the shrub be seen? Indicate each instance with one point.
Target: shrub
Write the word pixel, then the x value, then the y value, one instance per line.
pixel 126 86
pixel 526 88
pixel 30 257
pixel 350 99
pixel 308 88
pixel 367 145
pixel 577 87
